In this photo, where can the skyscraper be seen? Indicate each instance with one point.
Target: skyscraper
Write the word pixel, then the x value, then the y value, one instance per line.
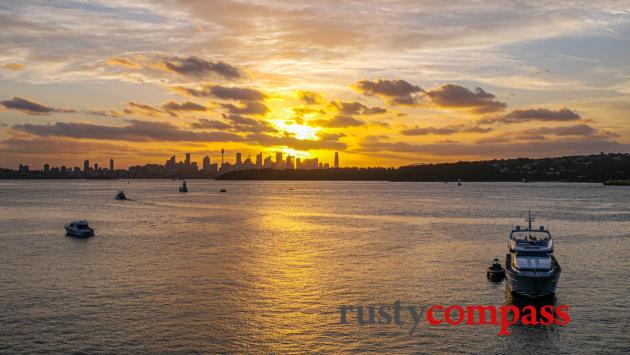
pixel 111 164
pixel 46 168
pixel 187 160
pixel 222 152
pixel 279 164
pixel 239 162
pixel 259 161
pixel 289 163
pixel 206 164
pixel 267 163
pixel 86 166
pixel 336 165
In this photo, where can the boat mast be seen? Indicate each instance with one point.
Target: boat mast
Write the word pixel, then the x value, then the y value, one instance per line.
pixel 530 219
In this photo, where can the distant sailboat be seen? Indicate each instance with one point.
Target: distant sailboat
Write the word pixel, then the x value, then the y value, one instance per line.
pixel 459 182
pixel 183 188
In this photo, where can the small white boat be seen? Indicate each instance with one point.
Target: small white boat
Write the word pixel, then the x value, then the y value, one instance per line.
pixel 79 229
pixel 121 195
pixel 459 182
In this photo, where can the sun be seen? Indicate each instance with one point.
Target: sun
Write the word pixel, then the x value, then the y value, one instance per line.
pixel 299 131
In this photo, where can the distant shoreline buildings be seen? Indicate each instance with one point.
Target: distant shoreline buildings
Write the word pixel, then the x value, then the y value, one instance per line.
pixel 171 168
pixel 614 167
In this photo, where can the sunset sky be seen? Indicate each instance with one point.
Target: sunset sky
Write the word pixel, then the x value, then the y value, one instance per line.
pixel 385 83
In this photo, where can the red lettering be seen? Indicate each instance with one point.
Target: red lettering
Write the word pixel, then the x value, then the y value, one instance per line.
pixel 447 315
pixel 546 315
pixel 505 322
pixel 430 318
pixel 563 313
pixel 529 319
pixel 482 314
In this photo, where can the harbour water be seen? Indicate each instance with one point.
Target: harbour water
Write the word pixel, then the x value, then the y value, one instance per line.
pixel 265 266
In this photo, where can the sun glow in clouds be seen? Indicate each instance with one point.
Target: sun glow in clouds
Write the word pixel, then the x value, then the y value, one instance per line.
pixel 297 130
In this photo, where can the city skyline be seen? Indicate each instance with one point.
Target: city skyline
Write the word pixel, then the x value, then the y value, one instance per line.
pixel 405 82
pixel 186 167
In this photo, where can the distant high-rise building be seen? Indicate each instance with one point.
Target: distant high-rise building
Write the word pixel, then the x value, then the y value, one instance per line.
pixel 46 168
pixel 336 164
pixel 95 166
pixel 279 164
pixel 267 163
pixel 259 161
pixel 289 163
pixel 206 164
pixel 222 153
pixel 170 164
pixel 247 164
pixel 187 162
pixel 111 165
pixel 86 166
pixel 239 162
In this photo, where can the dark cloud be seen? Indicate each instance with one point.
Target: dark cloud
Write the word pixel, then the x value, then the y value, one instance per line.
pixel 500 149
pixel 310 97
pixel 184 106
pixel 104 113
pixel 292 142
pixel 205 123
pixel 540 114
pixel 330 136
pixel 247 124
pixel 247 108
pixel 355 108
pixel 339 121
pixel 455 96
pixel 39 146
pixel 144 109
pixel 396 92
pixel 223 92
pixel 135 130
pixel 575 130
pixel 197 67
pixel 422 131
pixel 31 107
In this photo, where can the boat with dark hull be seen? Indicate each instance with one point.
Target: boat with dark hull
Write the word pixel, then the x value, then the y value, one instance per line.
pixel 531 270
pixel 79 229
pixel 183 188
pixel 495 272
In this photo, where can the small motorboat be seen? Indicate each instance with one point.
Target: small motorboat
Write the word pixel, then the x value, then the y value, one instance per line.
pixel 183 188
pixel 120 195
pixel 79 229
pixel 222 190
pixel 495 272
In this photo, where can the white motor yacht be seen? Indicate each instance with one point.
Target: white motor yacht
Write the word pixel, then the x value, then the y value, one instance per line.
pixel 530 267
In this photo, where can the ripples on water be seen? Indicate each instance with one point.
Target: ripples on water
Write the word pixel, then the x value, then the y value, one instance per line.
pixel 263 268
